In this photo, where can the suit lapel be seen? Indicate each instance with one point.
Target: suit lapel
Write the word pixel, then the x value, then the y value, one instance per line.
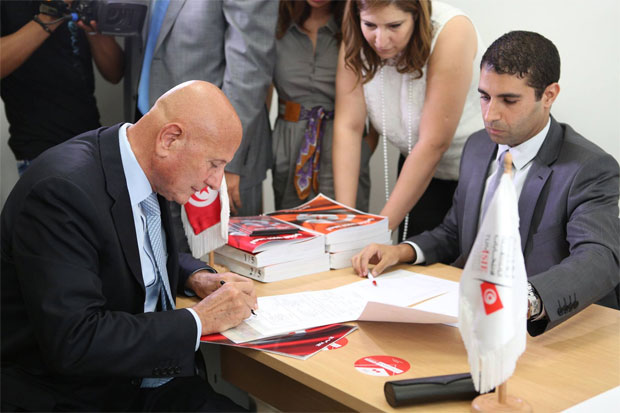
pixel 174 7
pixel 121 211
pixel 537 178
pixel 485 153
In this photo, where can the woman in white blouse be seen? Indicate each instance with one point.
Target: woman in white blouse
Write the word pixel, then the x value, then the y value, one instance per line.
pixel 412 68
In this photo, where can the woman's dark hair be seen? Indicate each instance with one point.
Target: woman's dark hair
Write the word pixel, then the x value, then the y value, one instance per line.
pixel 360 56
pixel 527 55
pixel 295 11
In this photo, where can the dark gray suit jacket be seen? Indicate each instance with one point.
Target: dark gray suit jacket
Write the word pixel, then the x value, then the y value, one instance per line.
pixel 74 332
pixel 230 43
pixel 569 226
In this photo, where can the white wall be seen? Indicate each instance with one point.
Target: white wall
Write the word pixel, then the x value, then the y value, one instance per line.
pixel 587 34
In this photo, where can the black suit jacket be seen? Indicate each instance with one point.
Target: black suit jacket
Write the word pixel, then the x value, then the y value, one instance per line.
pixel 569 227
pixel 74 332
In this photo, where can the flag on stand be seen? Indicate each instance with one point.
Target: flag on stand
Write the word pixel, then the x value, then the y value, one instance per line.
pixel 493 292
pixel 205 219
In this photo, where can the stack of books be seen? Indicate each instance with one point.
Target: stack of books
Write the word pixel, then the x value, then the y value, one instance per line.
pixel 347 231
pixel 267 249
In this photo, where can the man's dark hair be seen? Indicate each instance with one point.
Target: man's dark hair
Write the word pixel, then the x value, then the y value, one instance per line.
pixel 527 55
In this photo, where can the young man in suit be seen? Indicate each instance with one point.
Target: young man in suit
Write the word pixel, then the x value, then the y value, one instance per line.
pixel 90 268
pixel 568 202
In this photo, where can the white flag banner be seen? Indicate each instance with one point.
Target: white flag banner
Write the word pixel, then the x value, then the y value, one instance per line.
pixel 205 219
pixel 493 293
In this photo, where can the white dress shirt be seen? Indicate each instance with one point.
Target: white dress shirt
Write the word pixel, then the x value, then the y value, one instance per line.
pixel 522 157
pixel 139 189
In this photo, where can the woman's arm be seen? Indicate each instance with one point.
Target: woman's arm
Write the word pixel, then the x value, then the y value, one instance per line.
pixel 447 82
pixel 349 123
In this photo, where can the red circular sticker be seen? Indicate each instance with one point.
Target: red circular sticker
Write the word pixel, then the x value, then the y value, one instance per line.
pixel 382 365
pixel 337 344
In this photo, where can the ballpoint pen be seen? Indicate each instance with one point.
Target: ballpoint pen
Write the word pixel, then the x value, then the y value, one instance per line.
pixel 372 278
pixel 222 282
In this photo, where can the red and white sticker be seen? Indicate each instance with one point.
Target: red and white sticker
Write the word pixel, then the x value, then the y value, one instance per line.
pixel 338 344
pixel 382 365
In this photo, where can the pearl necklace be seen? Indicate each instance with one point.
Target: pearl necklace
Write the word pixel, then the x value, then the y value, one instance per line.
pixel 384 138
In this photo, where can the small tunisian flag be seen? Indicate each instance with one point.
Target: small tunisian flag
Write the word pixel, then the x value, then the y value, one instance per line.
pixel 493 292
pixel 205 220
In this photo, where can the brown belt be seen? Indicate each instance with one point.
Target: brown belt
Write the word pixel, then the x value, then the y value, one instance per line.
pixel 292 110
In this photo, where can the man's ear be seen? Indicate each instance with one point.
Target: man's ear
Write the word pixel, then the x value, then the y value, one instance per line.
pixel 168 137
pixel 550 94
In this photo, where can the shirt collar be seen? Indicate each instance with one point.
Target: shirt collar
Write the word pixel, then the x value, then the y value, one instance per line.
pixel 330 26
pixel 523 154
pixel 138 184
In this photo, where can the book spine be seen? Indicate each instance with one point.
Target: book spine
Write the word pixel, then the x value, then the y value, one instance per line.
pixel 239 255
pixel 240 268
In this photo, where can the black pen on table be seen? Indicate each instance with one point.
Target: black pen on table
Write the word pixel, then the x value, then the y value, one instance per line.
pixel 222 282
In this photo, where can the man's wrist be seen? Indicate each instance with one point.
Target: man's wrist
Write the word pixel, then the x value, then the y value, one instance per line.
pixel 534 306
pixel 47 23
pixel 407 253
pixel 43 25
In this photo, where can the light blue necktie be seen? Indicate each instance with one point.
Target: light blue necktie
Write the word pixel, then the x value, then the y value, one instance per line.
pixel 497 177
pixel 157 18
pixel 150 206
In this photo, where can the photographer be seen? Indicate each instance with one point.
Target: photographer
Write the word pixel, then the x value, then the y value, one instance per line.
pixel 47 76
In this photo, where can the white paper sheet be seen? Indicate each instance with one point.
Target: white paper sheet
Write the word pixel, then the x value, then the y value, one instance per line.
pixel 361 300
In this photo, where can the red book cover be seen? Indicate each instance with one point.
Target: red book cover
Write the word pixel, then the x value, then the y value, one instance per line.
pixel 241 230
pixel 299 344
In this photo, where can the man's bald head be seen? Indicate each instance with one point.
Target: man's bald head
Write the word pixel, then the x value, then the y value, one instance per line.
pixel 201 105
pixel 186 139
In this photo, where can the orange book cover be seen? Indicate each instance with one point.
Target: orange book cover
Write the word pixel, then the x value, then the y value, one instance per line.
pixel 326 216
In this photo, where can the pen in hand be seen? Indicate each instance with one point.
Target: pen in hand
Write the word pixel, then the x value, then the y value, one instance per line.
pixel 222 282
pixel 372 278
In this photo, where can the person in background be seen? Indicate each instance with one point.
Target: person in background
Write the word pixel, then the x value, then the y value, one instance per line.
pixel 307 41
pixel 47 76
pixel 90 268
pixel 410 66
pixel 567 188
pixel 229 43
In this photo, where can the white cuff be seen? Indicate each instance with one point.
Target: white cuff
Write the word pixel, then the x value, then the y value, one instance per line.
pixel 419 255
pixel 198 327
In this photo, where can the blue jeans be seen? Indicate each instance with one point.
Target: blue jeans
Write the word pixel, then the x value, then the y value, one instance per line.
pixel 22 166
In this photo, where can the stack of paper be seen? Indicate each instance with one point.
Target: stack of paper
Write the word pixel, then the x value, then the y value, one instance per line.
pixel 390 300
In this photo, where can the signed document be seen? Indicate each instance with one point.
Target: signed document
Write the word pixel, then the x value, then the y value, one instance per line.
pixel 390 300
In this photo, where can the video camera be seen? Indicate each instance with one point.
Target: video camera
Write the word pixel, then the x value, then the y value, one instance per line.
pixel 113 17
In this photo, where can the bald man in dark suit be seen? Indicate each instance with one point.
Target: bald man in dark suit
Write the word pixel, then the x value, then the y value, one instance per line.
pixel 83 294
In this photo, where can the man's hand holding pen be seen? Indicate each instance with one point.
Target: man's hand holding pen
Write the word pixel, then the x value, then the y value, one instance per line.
pixel 228 299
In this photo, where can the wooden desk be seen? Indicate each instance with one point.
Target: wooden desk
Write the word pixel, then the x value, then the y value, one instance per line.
pixel 571 363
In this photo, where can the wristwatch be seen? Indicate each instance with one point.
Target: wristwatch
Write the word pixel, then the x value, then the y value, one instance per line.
pixel 534 305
